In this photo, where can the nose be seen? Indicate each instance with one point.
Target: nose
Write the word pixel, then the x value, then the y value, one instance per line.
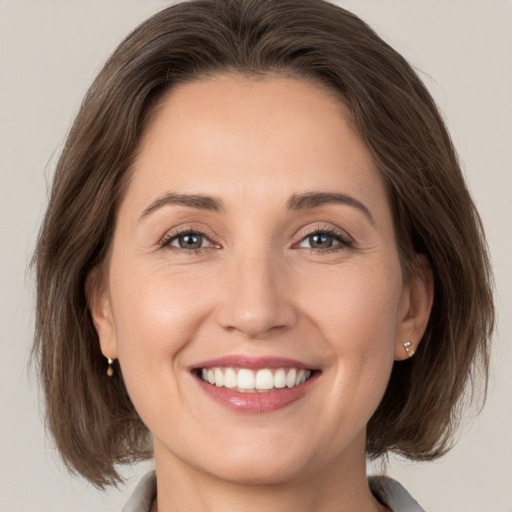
pixel 258 299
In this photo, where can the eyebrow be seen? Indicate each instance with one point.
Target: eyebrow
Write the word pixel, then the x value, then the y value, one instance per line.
pixel 296 202
pixel 199 201
pixel 315 199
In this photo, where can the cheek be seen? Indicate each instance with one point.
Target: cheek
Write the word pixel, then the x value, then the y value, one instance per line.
pixel 357 306
pixel 357 312
pixel 156 314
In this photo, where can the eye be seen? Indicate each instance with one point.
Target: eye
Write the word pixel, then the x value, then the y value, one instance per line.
pixel 321 240
pixel 326 240
pixel 188 240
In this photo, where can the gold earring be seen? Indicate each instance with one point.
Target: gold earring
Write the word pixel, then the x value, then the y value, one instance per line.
pixel 110 370
pixel 410 351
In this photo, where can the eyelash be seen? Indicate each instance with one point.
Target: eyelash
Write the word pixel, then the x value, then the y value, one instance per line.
pixel 166 241
pixel 345 242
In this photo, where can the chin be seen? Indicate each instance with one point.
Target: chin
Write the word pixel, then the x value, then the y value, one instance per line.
pixel 258 470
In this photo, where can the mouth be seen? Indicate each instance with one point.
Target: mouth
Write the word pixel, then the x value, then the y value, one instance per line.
pixel 254 385
pixel 247 380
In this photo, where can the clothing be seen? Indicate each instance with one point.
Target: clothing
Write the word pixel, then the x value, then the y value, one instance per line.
pixel 143 496
pixel 393 495
pixel 386 490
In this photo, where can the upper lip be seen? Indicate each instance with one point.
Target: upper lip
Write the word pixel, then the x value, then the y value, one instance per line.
pixel 250 362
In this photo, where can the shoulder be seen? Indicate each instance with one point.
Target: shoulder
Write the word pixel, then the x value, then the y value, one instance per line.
pixel 143 495
pixel 393 495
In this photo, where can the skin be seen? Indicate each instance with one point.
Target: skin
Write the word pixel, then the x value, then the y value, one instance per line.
pixel 259 287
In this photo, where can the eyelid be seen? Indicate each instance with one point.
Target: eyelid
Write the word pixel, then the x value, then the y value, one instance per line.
pixel 166 240
pixel 344 239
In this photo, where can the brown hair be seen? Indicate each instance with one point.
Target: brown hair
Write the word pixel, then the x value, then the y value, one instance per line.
pixel 90 416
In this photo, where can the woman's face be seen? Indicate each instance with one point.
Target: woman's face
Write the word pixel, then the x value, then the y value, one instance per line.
pixel 254 247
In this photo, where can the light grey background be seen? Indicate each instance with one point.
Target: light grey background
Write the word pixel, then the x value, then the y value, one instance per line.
pixel 49 53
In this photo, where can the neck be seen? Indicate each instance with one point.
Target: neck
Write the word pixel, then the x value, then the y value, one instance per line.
pixel 338 487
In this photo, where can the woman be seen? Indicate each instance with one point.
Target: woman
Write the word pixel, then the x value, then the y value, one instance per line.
pixel 260 262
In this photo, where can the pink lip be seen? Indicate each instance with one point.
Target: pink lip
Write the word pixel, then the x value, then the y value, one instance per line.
pixel 253 363
pixel 254 402
pixel 257 403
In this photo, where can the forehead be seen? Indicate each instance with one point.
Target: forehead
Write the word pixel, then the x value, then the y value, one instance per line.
pixel 263 137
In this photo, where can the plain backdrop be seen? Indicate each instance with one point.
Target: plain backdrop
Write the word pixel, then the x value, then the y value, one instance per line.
pixel 49 53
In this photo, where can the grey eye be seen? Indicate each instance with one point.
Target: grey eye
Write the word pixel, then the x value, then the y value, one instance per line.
pixel 190 241
pixel 320 241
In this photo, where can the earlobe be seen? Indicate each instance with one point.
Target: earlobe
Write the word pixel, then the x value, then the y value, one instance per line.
pixel 418 300
pixel 101 313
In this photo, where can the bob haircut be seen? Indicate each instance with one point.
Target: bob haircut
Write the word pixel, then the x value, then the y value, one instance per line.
pixel 90 416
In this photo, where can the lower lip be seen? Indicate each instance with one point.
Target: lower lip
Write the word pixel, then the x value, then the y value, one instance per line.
pixel 257 402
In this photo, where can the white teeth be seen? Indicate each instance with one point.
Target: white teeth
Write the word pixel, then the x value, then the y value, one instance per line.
pixel 230 378
pixel 246 380
pixel 264 379
pixel 290 378
pixel 280 379
pixel 219 377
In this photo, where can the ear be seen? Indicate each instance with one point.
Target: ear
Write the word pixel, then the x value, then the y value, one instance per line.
pixel 101 312
pixel 415 309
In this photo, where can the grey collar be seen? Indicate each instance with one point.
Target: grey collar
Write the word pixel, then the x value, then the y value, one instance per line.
pixel 386 490
pixel 393 495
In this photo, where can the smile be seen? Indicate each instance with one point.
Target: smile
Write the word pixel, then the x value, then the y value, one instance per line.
pixel 246 380
pixel 251 385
